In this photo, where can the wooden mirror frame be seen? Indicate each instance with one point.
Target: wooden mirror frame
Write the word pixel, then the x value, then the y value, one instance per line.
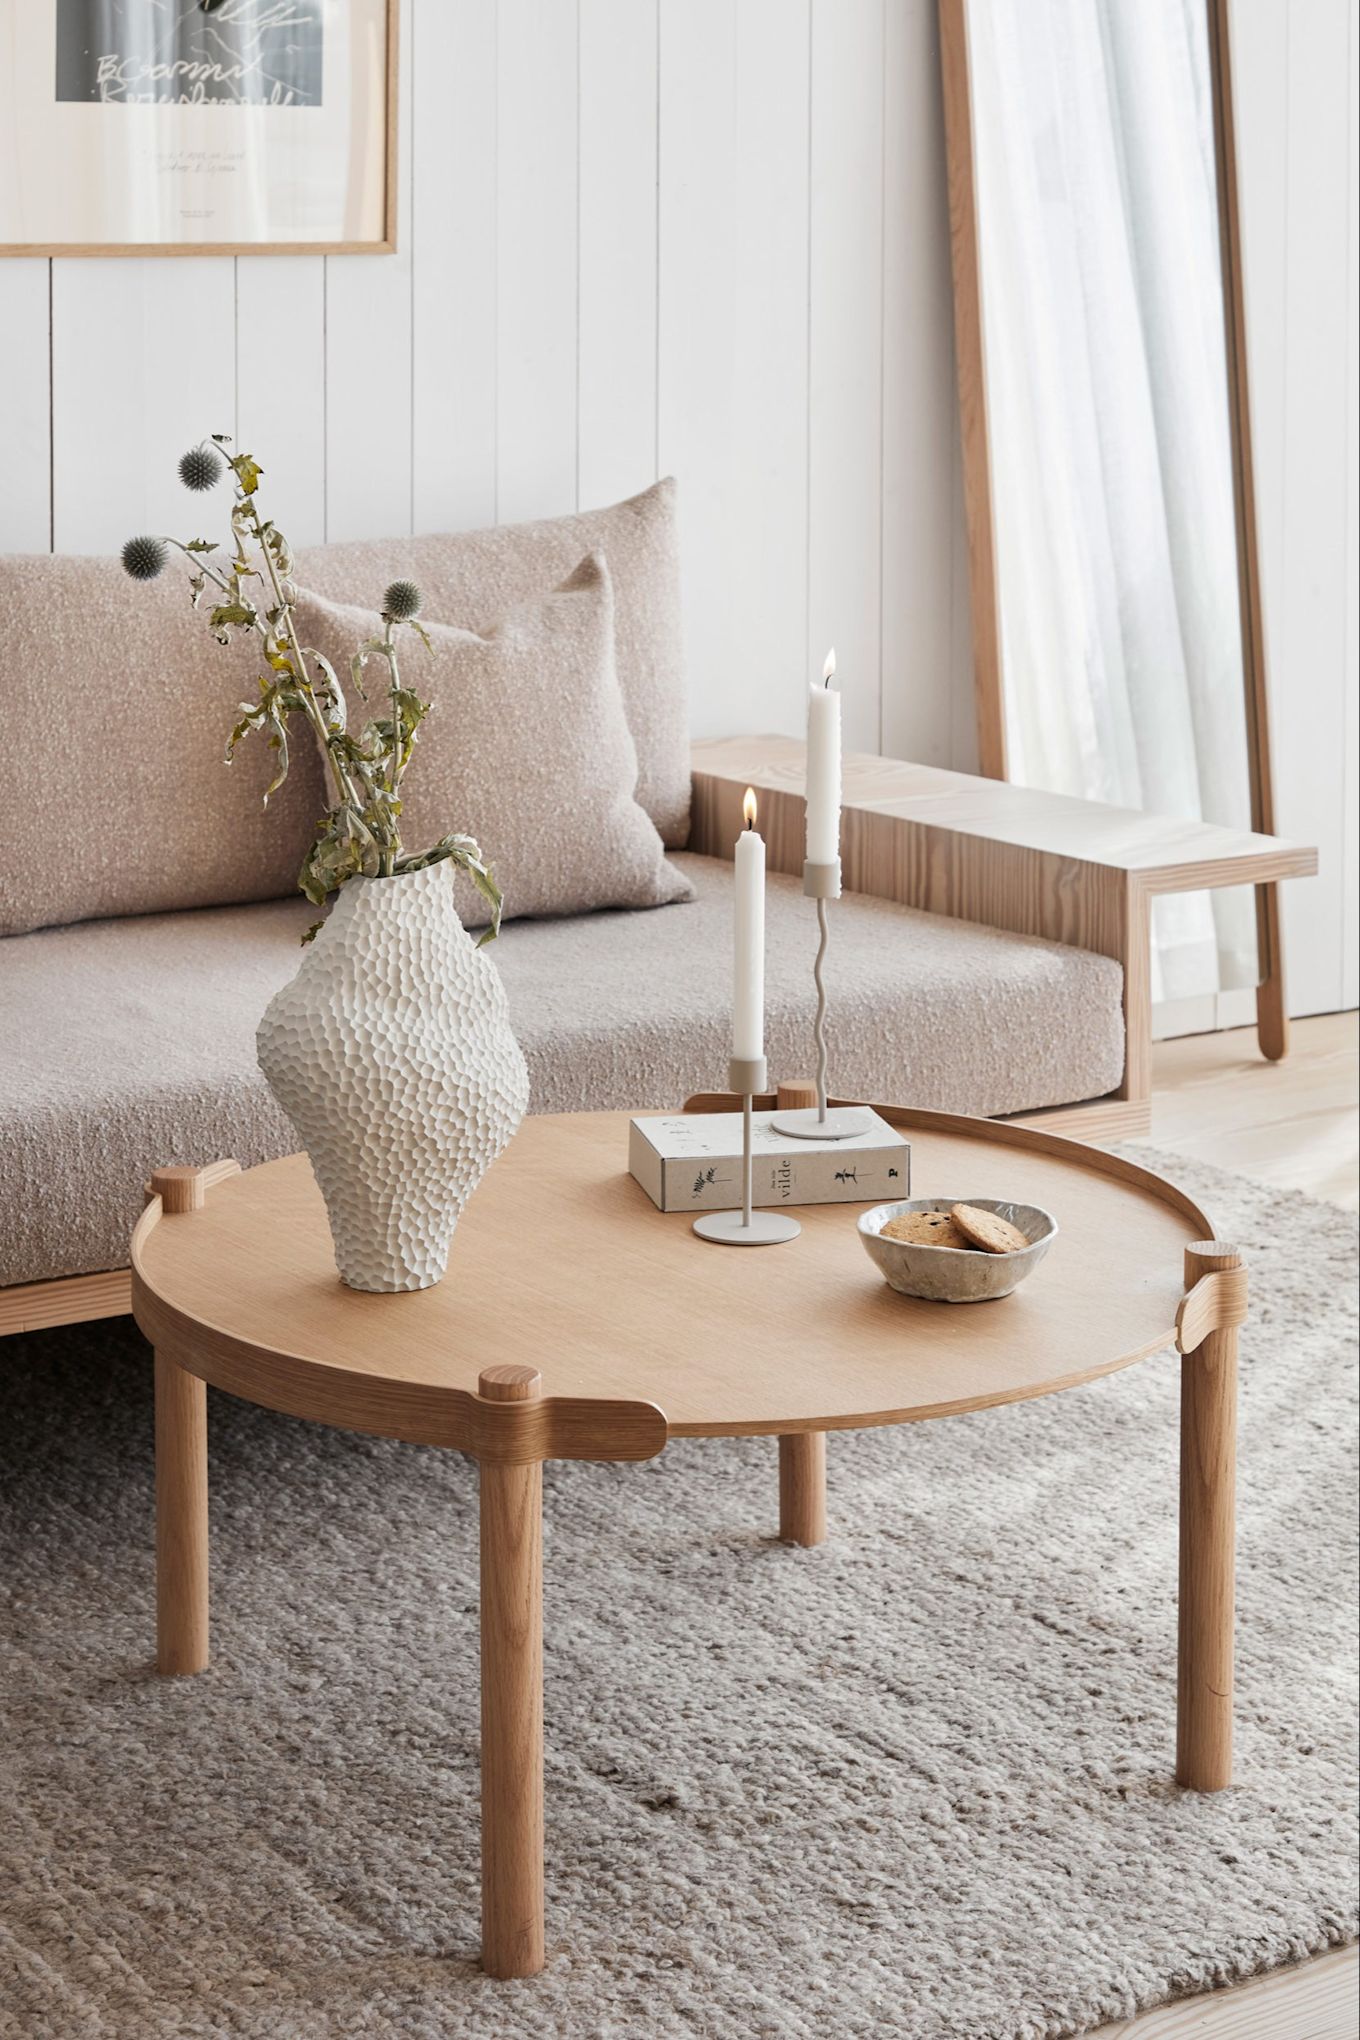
pixel 1271 1015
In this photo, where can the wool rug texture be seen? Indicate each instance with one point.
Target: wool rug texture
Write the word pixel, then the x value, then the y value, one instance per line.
pixel 915 1782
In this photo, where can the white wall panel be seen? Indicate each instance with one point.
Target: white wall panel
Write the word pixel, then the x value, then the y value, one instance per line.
pixel 453 287
pixel 697 262
pixel 536 169
pixel 25 410
pixel 1310 660
pixel 280 415
pixel 920 432
pixel 766 655
pixel 367 370
pixel 1350 826
pixel 617 228
pixel 143 367
pixel 846 368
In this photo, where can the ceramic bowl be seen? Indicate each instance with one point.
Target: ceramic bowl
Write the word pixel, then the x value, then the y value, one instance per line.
pixel 953 1274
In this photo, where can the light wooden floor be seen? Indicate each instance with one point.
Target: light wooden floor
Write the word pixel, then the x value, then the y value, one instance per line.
pixel 1295 1124
pixel 1316 2001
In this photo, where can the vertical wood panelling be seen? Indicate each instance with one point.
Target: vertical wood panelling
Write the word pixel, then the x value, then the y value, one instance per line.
pixel 453 291
pixel 143 366
pixel 919 431
pixel 536 169
pixel 617 231
pixel 845 411
pixel 280 415
pixel 369 422
pixel 25 409
pixel 767 655
pixel 696 256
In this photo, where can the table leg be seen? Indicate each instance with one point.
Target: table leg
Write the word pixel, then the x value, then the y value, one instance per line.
pixel 512 1699
pixel 802 1487
pixel 1204 1687
pixel 181 1518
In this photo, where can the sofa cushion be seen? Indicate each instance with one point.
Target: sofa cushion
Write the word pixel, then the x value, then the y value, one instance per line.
pixel 132 1043
pixel 526 747
pixel 471 578
pixel 119 703
pixel 125 701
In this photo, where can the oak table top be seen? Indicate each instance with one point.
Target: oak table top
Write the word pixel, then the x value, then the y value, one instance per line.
pixel 562 1263
pixel 577 1321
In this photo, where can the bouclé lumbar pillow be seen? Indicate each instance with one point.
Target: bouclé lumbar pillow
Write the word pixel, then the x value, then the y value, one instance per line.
pixel 527 742
pixel 473 578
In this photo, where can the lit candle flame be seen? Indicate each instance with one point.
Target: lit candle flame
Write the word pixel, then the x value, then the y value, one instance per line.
pixel 829 669
pixel 748 807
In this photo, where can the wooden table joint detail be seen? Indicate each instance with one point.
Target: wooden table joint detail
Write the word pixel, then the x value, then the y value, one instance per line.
pixel 515 1424
pixel 1217 1303
pixel 184 1188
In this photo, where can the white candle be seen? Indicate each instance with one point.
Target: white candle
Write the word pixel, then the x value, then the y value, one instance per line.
pixel 748 929
pixel 824 769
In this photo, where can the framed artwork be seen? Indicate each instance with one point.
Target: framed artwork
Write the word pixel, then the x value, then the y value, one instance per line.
pixel 197 127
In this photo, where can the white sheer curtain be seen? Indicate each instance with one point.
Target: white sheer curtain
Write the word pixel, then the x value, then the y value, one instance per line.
pixel 1109 429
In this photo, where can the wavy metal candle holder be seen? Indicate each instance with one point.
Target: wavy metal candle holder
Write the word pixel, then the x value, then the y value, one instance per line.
pixel 746 1075
pixel 822 882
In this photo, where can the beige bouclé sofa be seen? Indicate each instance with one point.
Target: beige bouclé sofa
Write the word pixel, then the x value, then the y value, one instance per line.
pixel 129 1029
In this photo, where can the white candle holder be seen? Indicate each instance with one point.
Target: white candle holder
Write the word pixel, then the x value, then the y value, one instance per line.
pixel 747 1075
pixel 822 882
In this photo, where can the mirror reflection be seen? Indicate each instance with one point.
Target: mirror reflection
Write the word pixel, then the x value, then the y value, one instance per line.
pixel 1111 460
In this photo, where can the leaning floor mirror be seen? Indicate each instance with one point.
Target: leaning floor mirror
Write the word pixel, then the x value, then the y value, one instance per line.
pixel 1107 454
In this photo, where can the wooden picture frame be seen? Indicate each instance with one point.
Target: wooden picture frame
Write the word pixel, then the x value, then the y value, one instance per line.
pixel 989 676
pixel 384 243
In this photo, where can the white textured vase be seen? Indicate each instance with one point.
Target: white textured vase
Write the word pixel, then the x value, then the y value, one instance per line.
pixel 391 1052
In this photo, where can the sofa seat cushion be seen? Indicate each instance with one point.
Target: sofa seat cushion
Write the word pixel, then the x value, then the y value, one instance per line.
pixel 132 1043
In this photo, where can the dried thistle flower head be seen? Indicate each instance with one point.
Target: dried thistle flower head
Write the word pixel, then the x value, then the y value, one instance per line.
pixel 201 468
pixel 401 601
pixel 144 558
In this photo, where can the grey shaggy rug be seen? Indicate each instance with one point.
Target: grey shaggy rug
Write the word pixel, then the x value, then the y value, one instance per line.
pixel 916 1782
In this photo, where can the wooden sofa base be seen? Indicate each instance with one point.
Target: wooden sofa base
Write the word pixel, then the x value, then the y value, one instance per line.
pixel 79 1299
pixel 71 1300
pixel 1100 1120
pixel 1004 856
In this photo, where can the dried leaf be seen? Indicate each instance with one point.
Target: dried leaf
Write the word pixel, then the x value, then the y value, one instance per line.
pixel 239 613
pixel 248 472
pixel 464 852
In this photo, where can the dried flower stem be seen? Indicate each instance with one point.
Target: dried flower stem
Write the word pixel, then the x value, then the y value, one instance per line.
pixel 360 835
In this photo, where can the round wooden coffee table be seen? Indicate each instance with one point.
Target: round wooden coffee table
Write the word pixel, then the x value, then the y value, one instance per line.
pixel 578 1322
